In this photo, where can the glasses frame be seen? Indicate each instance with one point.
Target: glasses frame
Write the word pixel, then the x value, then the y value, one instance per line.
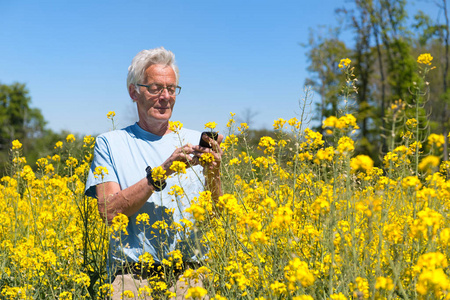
pixel 177 89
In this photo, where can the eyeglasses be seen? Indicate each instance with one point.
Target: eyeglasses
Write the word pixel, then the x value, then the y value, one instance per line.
pixel 157 89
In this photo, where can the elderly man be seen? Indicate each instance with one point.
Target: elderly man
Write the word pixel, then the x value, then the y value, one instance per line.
pixel 129 188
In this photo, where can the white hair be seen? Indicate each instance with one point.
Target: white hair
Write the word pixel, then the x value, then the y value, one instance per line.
pixel 146 58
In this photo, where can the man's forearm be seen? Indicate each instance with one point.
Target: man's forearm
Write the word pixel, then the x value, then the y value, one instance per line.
pixel 112 200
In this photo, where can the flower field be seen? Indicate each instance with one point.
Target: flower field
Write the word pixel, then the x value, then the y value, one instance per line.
pixel 302 217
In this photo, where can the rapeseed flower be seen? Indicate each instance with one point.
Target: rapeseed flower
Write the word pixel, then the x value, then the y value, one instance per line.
pixel 210 125
pixel 16 145
pixel 196 293
pixel 159 174
pixel 178 167
pixel 243 127
pixel 428 163
pixel 175 126
pixel 345 62
pixel 207 158
pixel 279 124
pixel 110 115
pixel 425 58
pixel 58 144
pixel 361 162
pixel 70 138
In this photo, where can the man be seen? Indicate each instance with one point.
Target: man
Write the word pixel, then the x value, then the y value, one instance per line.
pixel 130 155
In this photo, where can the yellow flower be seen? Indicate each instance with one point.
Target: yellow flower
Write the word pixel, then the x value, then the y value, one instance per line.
pixel 411 181
pixel 142 218
pixel 231 121
pixel 88 141
pixel 298 271
pixel 429 162
pixel 110 115
pixel 145 292
pixel 207 158
pixel 384 283
pixel 279 288
pixel 82 279
pixel 58 144
pixel 49 168
pixel 42 162
pixel 243 127
pixel 175 126
pixel 197 211
pixel 178 167
pixel 70 138
pixel 362 290
pixel 345 62
pixel 313 139
pixel 343 122
pixel 345 145
pixel 106 290
pixel 259 237
pixel 127 294
pixel 65 296
pixel 71 162
pixel 16 145
pixel 268 144
pixel 159 174
pixel 425 59
pixel 339 296
pixel 278 124
pixel 119 224
pixel 177 191
pixel 211 125
pixel 304 297
pixel 361 162
pixel 196 293
pixel 411 122
pixel 437 140
pixel 324 154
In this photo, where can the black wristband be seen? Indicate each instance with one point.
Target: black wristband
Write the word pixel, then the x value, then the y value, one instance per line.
pixel 159 185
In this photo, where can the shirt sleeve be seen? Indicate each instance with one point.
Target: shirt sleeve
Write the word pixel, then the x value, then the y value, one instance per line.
pixel 102 158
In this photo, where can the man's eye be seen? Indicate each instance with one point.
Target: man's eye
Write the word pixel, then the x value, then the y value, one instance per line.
pixel 155 88
pixel 171 89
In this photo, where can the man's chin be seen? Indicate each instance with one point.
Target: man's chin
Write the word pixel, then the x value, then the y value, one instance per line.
pixel 162 117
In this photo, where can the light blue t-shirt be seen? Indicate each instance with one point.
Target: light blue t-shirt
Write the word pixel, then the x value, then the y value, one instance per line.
pixel 126 153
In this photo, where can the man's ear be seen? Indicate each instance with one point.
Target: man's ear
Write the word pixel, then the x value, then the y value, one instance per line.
pixel 133 93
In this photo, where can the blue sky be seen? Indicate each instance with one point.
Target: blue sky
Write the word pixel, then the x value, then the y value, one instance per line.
pixel 233 56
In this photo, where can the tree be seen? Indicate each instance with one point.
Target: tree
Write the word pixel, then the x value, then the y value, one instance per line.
pixel 325 52
pixel 434 38
pixel 19 121
pixel 383 57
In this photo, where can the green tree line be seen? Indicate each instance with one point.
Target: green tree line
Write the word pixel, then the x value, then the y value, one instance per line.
pixel 20 121
pixel 384 46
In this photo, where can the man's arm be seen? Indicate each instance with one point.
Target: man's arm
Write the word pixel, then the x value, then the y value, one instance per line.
pixel 112 200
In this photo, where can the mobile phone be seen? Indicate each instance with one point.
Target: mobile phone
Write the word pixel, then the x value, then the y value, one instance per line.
pixel 211 134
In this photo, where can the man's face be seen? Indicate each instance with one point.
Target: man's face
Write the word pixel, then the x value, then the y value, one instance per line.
pixel 158 107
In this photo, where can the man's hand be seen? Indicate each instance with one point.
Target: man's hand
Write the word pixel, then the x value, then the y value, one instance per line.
pixel 184 154
pixel 209 158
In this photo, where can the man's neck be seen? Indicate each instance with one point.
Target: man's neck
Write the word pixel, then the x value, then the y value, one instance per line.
pixel 159 129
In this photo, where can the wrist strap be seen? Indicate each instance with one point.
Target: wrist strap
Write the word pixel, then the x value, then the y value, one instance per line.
pixel 159 185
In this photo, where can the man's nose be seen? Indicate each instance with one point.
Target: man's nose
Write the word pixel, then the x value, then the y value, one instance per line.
pixel 164 94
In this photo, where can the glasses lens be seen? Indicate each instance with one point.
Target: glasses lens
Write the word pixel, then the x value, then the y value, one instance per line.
pixel 171 90
pixel 155 89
